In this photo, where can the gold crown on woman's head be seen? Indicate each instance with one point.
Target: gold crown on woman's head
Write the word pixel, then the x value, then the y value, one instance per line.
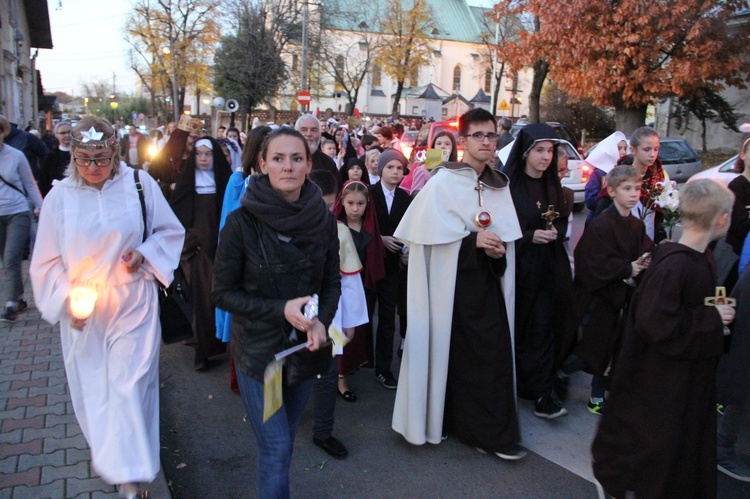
pixel 193 126
pixel 93 139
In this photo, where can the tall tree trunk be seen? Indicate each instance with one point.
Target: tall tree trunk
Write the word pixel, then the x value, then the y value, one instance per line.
pixel 628 119
pixel 397 99
pixel 153 102
pixel 541 68
pixel 181 100
pixel 496 93
pixel 352 101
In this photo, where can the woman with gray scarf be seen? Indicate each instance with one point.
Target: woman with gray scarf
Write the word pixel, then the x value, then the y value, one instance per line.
pixel 275 252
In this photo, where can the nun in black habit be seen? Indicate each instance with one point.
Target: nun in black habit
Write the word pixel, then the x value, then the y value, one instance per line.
pixel 543 277
pixel 197 199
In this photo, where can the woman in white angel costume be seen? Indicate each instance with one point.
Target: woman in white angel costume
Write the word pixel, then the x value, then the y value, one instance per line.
pixel 91 235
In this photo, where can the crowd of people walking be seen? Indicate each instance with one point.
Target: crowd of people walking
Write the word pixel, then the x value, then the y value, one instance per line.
pixel 326 239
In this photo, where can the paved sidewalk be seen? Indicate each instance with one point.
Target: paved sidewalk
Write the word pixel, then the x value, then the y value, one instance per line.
pixel 42 450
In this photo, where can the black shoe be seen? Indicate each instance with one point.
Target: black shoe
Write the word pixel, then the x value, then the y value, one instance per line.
pixel 10 315
pixel 22 305
pixel 349 396
pixel 547 408
pixel 332 446
pixel 387 380
pixel 200 364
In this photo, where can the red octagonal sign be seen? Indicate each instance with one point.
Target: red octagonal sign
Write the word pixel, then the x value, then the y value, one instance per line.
pixel 304 97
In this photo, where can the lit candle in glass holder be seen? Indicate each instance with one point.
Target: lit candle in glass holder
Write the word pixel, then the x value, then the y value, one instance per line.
pixel 82 301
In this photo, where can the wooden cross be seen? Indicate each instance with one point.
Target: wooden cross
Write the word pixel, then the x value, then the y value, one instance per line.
pixel 720 298
pixel 549 216
pixel 479 188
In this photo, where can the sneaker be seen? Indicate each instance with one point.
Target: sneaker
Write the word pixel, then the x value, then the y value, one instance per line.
pixel 720 408
pixel 596 407
pixel 547 408
pixel 387 380
pixel 22 305
pixel 513 452
pixel 10 315
pixel 734 468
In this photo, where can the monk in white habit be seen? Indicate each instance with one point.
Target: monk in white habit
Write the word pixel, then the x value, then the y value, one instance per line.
pixel 91 237
pixel 457 371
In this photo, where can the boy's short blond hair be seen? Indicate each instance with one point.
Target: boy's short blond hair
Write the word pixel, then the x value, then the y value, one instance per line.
pixel 620 174
pixel 702 201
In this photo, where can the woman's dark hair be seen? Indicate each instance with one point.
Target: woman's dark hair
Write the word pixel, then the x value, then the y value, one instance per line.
pixel 454 149
pixel 251 152
pixel 348 166
pixel 239 137
pixel 739 165
pixel 284 131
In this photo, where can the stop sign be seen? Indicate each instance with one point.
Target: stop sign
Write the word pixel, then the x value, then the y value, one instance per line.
pixel 304 97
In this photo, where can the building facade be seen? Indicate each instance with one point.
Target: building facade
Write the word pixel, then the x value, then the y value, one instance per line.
pixel 458 75
pixel 24 25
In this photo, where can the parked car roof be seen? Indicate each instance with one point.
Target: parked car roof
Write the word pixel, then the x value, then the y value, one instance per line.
pixel 723 172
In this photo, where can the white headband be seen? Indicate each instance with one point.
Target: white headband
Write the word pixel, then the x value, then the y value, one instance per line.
pixel 204 142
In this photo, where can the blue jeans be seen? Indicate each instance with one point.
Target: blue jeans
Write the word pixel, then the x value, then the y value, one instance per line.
pixel 14 236
pixel 275 437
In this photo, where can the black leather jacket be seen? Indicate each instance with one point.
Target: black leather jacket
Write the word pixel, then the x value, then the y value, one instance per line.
pixel 254 288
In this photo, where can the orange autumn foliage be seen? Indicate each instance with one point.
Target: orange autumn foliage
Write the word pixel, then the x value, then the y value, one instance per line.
pixel 626 53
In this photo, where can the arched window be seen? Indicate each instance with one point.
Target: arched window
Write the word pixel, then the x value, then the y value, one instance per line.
pixel 457 78
pixel 340 63
pixel 488 80
pixel 376 76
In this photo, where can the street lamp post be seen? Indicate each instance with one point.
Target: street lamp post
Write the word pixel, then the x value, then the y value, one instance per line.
pixel 303 77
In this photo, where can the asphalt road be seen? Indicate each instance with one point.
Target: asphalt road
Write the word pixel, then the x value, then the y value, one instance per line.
pixel 208 450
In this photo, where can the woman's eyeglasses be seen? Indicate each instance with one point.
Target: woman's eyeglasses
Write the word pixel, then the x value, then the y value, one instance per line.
pixel 87 162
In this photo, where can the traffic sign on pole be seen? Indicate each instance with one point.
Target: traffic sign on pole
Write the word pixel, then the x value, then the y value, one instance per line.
pixel 304 97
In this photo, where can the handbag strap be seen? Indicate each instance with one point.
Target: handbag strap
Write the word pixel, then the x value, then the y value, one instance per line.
pixel 13 186
pixel 142 198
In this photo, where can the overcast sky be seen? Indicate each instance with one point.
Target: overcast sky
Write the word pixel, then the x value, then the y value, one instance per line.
pixel 89 45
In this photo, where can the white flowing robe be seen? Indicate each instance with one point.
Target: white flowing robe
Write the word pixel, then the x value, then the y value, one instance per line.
pixel 113 364
pixel 433 227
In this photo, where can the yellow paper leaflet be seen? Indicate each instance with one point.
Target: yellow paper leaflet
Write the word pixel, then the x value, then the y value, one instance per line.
pixel 434 157
pixel 272 396
pixel 339 339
